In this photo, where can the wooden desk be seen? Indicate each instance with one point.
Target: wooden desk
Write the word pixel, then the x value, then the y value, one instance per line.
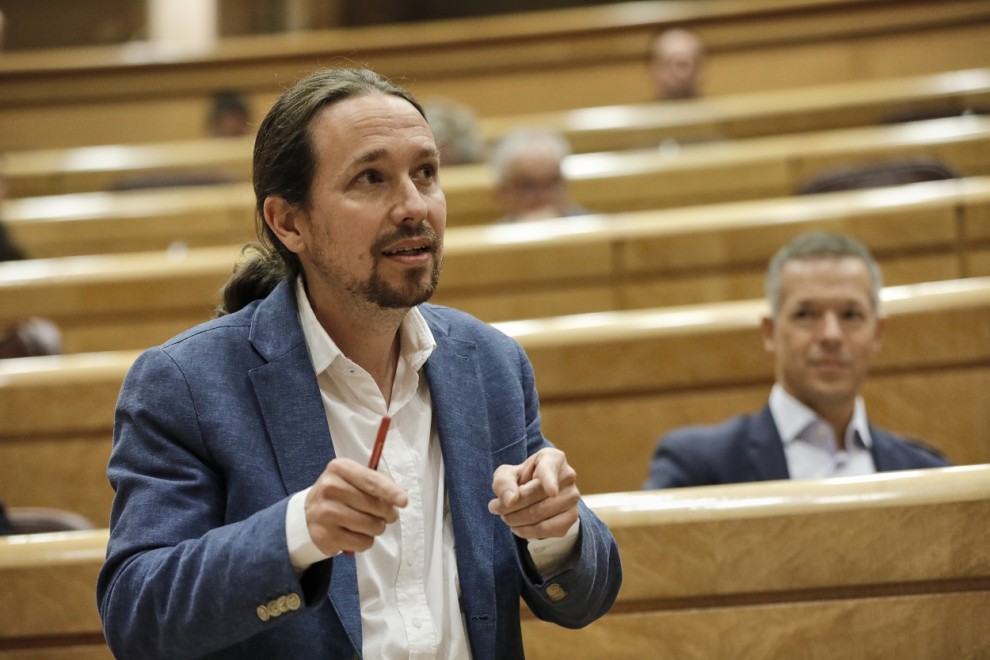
pixel 612 182
pixel 587 56
pixel 768 569
pixel 592 129
pixel 52 580
pixel 774 570
pixel 610 384
pixel 929 231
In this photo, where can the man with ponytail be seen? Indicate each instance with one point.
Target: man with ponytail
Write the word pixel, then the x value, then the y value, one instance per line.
pixel 248 521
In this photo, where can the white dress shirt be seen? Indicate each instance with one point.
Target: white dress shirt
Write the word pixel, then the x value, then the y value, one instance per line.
pixel 407 580
pixel 809 441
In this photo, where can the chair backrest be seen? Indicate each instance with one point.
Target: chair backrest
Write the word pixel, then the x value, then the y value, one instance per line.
pixel 38 520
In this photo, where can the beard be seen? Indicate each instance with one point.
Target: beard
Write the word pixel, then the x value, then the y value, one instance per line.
pixel 419 283
pixel 416 290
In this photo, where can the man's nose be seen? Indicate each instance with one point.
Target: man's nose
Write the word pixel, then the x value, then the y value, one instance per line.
pixel 831 326
pixel 410 203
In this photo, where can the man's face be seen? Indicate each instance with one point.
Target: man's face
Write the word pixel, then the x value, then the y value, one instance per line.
pixel 534 186
pixel 826 331
pixel 675 66
pixel 374 231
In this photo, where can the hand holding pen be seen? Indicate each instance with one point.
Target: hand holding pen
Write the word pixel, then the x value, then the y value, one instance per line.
pixel 348 506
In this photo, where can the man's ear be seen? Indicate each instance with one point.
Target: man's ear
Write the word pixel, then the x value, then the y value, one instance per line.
pixel 284 219
pixel 766 330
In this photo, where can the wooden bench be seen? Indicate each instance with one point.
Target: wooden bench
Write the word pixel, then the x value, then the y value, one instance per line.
pixel 891 566
pixel 52 580
pixel 610 384
pixel 593 129
pixel 929 231
pixel 610 182
pixel 587 56
pixel 769 570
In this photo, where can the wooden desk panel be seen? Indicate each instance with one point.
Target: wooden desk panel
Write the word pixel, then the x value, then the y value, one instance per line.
pixel 134 94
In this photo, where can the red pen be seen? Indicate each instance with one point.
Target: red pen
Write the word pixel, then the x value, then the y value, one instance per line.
pixel 376 452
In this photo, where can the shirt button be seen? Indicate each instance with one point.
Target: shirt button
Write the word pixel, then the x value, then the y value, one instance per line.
pixel 418 623
pixel 555 592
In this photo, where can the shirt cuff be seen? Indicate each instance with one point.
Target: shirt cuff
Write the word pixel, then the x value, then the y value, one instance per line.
pixel 551 556
pixel 303 553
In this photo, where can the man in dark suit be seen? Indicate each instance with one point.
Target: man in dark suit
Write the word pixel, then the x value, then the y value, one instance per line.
pixel 824 327
pixel 248 521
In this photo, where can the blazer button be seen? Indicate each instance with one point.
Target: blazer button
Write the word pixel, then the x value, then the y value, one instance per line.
pixel 263 613
pixel 293 602
pixel 283 604
pixel 273 609
pixel 555 592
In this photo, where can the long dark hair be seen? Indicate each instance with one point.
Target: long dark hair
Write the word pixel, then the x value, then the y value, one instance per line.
pixel 284 163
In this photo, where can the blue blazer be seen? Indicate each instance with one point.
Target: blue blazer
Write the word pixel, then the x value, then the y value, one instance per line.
pixel 217 427
pixel 749 448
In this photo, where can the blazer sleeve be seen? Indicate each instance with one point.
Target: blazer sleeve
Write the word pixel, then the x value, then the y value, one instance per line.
pixel 585 591
pixel 179 580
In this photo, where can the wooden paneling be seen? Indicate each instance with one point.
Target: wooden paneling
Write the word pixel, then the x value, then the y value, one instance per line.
pixel 771 570
pixel 588 56
pixel 501 272
pixel 593 129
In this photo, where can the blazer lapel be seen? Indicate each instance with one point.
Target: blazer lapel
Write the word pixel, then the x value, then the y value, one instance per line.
pixel 764 448
pixel 292 408
pixel 462 423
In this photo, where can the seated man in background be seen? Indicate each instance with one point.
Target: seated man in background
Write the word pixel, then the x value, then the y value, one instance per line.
pixel 455 128
pixel 229 116
pixel 825 326
pixel 675 60
pixel 30 336
pixel 529 179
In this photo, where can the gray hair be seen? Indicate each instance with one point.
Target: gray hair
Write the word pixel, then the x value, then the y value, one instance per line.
pixel 520 141
pixel 820 245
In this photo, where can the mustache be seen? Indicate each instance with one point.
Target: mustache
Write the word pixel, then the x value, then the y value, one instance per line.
pixel 421 230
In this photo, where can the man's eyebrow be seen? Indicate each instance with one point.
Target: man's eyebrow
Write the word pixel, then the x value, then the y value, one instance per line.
pixel 378 154
pixel 370 156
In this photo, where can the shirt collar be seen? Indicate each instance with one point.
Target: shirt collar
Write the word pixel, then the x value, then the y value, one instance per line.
pixel 415 346
pixel 792 417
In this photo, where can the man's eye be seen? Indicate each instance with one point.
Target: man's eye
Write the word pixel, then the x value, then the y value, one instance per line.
pixel 428 171
pixel 370 176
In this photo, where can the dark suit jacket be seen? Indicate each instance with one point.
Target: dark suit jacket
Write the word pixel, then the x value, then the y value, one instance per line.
pixel 216 428
pixel 748 448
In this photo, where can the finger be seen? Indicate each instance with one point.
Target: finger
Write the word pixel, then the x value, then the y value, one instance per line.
pixel 334 526
pixel 551 469
pixel 553 527
pixel 505 484
pixel 372 485
pixel 541 509
pixel 524 496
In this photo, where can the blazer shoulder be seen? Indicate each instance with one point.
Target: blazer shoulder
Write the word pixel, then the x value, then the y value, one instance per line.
pixel 458 324
pixel 914 451
pixel 722 433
